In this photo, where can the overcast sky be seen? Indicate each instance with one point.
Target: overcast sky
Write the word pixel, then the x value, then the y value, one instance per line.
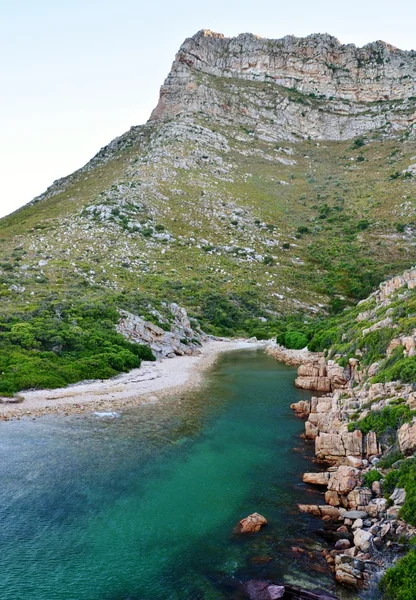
pixel 74 75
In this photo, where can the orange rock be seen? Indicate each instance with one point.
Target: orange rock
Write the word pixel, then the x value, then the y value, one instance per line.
pixel 252 523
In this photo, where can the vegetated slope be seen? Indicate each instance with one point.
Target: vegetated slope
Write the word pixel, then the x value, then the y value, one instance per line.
pixel 248 196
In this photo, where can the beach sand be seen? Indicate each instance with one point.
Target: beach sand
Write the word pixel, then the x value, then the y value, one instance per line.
pixel 152 380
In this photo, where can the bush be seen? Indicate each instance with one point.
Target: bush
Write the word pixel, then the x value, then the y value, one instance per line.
pixel 403 370
pixel 60 343
pixel 404 477
pixel 399 582
pixel 371 477
pixel 381 421
pixel 295 340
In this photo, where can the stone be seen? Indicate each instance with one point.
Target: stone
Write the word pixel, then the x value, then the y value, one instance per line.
pixel 332 498
pixel 355 461
pixel 359 497
pixel 362 540
pixel 354 514
pixel 301 408
pixel 342 544
pixel 316 478
pixel 333 447
pixel 407 438
pixel 398 496
pixel 252 523
pixel 263 590
pixel 344 480
pixel 358 523
pixel 376 507
pixel 276 591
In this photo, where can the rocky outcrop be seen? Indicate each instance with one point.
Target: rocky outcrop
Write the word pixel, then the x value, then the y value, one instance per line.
pixel 251 524
pixel 180 340
pixel 346 88
pixel 387 288
pixel 326 375
pixel 407 438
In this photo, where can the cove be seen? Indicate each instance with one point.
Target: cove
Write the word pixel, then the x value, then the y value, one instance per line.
pixel 142 506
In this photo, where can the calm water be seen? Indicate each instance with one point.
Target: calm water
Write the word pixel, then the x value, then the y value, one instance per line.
pixel 143 506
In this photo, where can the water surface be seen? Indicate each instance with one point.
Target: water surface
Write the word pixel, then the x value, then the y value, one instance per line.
pixel 142 506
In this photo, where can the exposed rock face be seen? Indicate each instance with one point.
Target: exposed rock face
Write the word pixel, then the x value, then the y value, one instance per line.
pixel 343 480
pixel 407 438
pixel 351 80
pixel 324 376
pixel 181 339
pixel 252 523
pixel 387 288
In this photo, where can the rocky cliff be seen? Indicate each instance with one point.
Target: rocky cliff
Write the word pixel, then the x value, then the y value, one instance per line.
pixel 336 91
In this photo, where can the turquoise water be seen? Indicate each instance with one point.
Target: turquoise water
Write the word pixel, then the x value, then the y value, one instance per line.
pixel 143 506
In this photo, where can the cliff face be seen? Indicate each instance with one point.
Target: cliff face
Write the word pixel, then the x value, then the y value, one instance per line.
pixel 308 87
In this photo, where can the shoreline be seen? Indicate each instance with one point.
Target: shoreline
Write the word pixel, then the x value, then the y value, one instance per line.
pixel 153 380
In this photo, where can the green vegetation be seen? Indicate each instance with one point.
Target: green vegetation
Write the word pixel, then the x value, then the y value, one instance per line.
pixel 371 477
pixel 59 343
pixel 293 339
pixel 399 582
pixel 383 420
pixel 404 477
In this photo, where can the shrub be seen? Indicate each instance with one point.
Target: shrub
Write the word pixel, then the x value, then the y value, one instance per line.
pixel 399 582
pixel 381 421
pixel 295 340
pixel 403 370
pixel 371 477
pixel 404 477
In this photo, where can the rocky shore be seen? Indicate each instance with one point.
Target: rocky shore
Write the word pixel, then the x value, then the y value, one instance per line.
pixel 362 524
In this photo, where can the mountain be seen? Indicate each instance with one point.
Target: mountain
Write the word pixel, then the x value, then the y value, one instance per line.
pixel 274 177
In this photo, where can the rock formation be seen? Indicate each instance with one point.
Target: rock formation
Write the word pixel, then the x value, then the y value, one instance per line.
pixel 181 339
pixel 252 523
pixel 352 81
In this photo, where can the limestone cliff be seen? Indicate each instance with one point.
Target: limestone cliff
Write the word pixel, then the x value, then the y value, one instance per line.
pixel 337 91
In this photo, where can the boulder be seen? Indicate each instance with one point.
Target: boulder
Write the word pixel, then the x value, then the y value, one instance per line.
pixel 344 480
pixel 332 498
pixel 349 571
pixel 301 408
pixel 342 545
pixel 335 447
pixel 359 497
pixel 354 514
pixel 398 496
pixel 407 438
pixel 252 523
pixel 316 478
pixel 362 539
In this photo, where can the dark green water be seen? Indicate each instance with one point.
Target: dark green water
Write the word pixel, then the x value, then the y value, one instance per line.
pixel 143 506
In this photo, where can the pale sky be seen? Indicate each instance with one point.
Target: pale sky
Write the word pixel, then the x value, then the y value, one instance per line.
pixel 75 74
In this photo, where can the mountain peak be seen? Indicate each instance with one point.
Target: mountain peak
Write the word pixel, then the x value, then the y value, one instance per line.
pixel 317 64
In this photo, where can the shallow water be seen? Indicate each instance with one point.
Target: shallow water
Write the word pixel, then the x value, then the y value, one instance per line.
pixel 142 505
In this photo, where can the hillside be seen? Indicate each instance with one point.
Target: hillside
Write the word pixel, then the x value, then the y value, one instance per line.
pixel 274 177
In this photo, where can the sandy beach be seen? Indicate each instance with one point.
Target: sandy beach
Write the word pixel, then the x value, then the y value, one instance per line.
pixel 151 381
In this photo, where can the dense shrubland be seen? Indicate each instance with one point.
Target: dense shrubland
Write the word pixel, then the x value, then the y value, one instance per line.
pixel 58 343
